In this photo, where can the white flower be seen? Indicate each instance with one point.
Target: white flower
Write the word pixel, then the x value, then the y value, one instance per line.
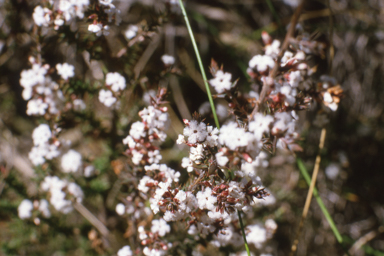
pixel 41 134
pixel 137 130
pixel 261 63
pixel 187 163
pixel 106 2
pixel 196 153
pixel 222 81
pixel 71 161
pixel 205 199
pixel 283 123
pixel 65 70
pixel 120 209
pixel 295 78
pixel 257 235
pixel 154 156
pixel 221 159
pixel 168 59
pixel 143 184
pixel 160 226
pixel 116 81
pixel 287 56
pixel 33 76
pixel 95 28
pixel 131 32
pixel 195 131
pixel 260 125
pixel 41 16
pixel 25 209
pixel 106 97
pixel 212 137
pixel 78 105
pixel 44 208
pixel 181 196
pixel 89 171
pixel 233 137
pixel 129 141
pixel 37 155
pixel 332 171
pixel 36 107
pixel 180 139
pixel 287 91
pixel 125 251
pixel 273 49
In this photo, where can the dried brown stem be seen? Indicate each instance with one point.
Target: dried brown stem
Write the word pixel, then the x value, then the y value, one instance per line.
pixel 365 239
pixel 93 220
pixel 310 192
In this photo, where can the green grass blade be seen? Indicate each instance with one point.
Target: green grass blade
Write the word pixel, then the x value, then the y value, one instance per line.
pixel 307 178
pixel 200 63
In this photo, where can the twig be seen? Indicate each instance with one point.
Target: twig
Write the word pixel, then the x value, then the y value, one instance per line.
pixel 365 239
pixel 92 219
pixel 310 192
pixel 179 98
pixel 326 214
pixel 275 69
pixel 331 47
pixel 146 55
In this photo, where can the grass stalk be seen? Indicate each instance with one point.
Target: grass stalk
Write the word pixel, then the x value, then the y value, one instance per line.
pixel 200 64
pixel 210 99
pixel 320 202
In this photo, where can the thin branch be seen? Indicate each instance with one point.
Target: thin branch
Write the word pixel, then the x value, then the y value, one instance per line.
pixel 365 239
pixel 92 219
pixel 275 69
pixel 310 191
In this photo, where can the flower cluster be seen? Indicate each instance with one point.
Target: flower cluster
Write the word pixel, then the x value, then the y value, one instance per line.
pixel 145 135
pixel 114 83
pixel 45 145
pixel 62 193
pixel 56 14
pixel 104 12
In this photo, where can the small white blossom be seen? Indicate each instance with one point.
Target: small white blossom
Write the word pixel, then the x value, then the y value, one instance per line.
pixel 221 82
pixel 168 60
pixel 106 97
pixel 212 136
pixel 137 130
pixel 116 81
pixel 205 199
pixel 44 208
pixel 273 49
pixel 261 63
pixel 65 70
pixel 71 161
pixel 25 209
pixel 36 107
pixel 125 251
pixel 131 32
pixel 120 209
pixel 161 227
pixel 41 134
pixel 257 235
pixel 41 16
pixel 195 131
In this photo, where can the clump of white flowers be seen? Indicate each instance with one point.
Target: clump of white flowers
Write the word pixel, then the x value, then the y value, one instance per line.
pixel 45 145
pixel 62 193
pixel 115 83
